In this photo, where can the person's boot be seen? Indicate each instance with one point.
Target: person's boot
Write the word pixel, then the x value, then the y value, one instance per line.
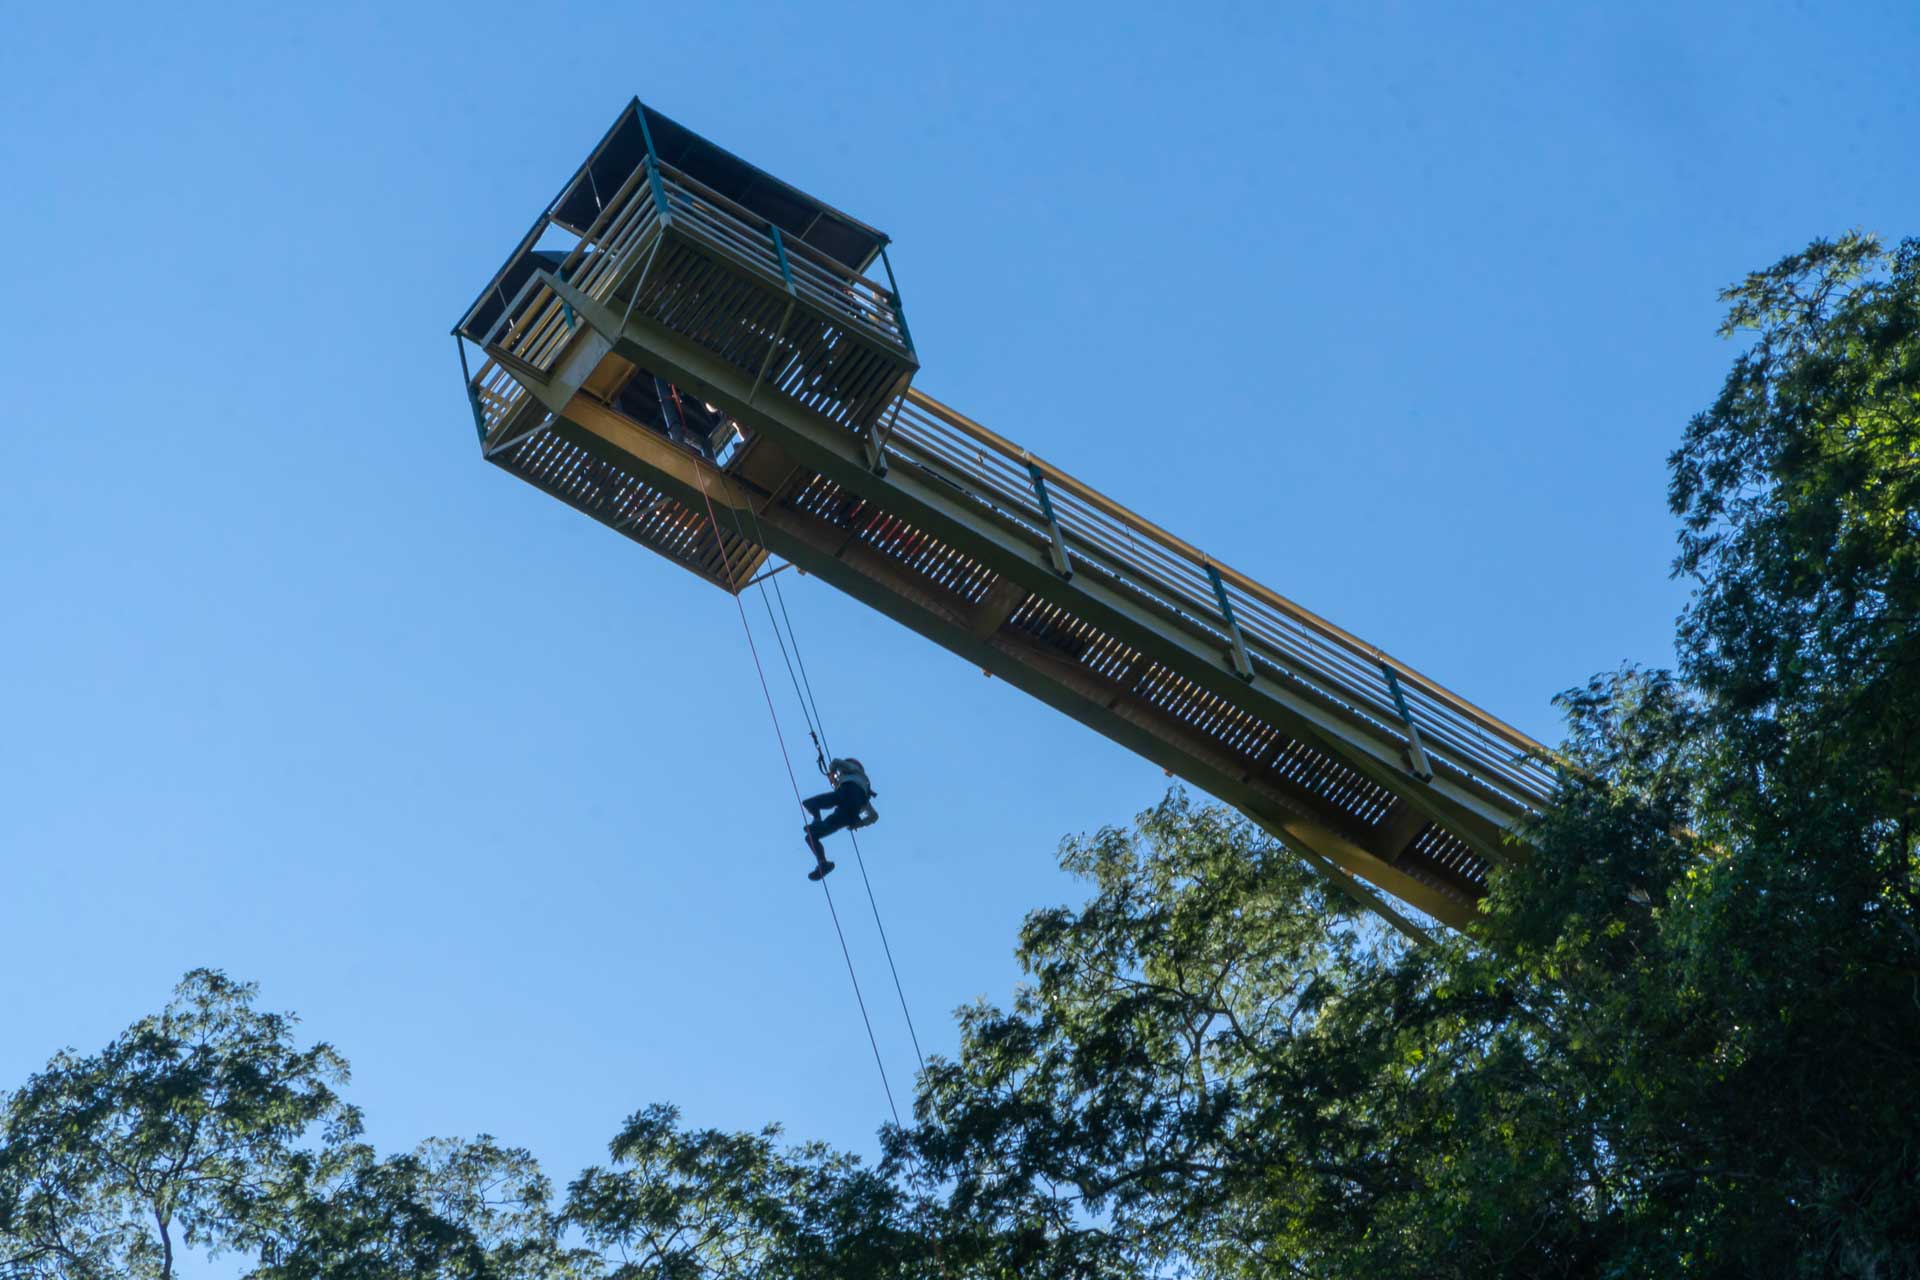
pixel 821 865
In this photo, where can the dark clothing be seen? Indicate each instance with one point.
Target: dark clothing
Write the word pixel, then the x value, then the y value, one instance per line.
pixel 846 801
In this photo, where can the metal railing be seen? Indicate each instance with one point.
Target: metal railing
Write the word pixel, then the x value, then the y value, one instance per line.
pixel 535 325
pixel 1278 637
pixel 497 395
pixel 753 241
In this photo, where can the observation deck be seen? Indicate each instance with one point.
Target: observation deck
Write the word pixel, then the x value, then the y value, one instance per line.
pixel 681 329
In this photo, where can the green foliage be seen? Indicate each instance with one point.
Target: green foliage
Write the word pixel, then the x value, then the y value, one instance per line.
pixel 206 1128
pixel 699 1204
pixel 1682 1040
pixel 448 1209
pixel 1110 1121
pixel 185 1130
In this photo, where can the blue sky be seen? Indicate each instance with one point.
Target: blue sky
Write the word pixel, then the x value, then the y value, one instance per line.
pixel 1398 308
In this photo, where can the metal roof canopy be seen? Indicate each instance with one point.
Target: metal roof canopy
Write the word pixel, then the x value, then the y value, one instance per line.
pixel 622 150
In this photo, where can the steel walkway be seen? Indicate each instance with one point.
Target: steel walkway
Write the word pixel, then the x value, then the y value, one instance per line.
pixel 1361 764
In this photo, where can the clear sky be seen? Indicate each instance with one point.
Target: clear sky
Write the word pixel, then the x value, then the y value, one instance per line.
pixel 1398 308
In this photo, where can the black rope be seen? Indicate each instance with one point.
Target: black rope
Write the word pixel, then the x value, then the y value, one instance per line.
pixel 871 1038
pixel 752 648
pixel 873 1041
pixel 813 720
pixel 793 635
pixel 887 947
pixel 816 723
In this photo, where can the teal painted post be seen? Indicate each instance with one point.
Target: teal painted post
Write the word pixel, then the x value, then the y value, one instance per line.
pixel 653 166
pixel 659 192
pixel 893 300
pixel 1399 698
pixel 473 396
pixel 1056 540
pixel 1242 664
pixel 1416 750
pixel 780 252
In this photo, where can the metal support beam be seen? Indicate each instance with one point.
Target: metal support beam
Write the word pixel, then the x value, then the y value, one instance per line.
pixel 759 578
pixel 535 417
pixel 529 376
pixel 1396 830
pixel 1359 892
pixel 1003 597
pixel 874 441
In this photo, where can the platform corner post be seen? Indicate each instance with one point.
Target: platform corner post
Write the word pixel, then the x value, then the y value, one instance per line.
pixel 653 167
pixel 893 300
pixel 473 396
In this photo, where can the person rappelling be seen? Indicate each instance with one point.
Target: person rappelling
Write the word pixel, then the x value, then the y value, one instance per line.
pixel 851 801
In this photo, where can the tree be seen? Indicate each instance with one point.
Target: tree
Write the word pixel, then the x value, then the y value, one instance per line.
pixel 1216 1068
pixel 206 1127
pixel 185 1131
pixel 1682 1040
pixel 683 1204
pixel 447 1209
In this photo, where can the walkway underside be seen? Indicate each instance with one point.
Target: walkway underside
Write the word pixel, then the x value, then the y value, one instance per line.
pixel 1326 775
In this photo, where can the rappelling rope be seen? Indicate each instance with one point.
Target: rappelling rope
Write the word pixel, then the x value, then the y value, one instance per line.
pixel 872 1040
pixel 810 709
pixel 713 523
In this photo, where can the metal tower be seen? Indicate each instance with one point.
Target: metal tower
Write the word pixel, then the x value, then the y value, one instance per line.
pixel 681 328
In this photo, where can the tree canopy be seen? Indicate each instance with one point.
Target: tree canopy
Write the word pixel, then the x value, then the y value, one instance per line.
pixel 1681 1040
pixel 1684 1036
